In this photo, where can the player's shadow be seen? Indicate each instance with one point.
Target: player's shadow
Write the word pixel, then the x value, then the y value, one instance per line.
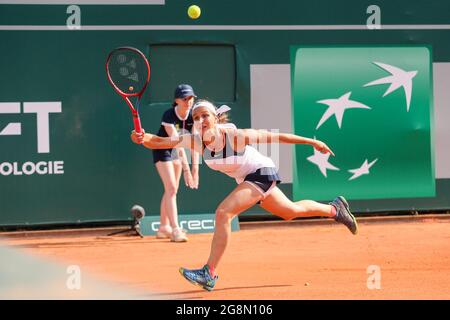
pixel 224 289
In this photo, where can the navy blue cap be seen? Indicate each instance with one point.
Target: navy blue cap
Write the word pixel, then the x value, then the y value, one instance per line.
pixel 183 91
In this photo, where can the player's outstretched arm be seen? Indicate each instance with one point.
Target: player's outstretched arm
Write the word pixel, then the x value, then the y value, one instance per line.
pixel 295 139
pixel 253 136
pixel 152 141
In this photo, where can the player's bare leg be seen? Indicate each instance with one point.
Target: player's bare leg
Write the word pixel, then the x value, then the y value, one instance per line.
pixel 277 203
pixel 178 235
pixel 168 173
pixel 240 199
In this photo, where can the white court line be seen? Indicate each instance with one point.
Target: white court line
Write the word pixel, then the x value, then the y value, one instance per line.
pixel 224 27
pixel 86 2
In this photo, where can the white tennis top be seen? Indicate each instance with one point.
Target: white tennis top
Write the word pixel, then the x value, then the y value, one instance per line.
pixel 236 164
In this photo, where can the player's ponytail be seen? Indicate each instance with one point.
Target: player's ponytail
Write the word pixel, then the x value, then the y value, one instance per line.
pixel 223 118
pixel 222 114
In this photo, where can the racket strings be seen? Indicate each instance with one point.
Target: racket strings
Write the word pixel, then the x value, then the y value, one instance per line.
pixel 128 71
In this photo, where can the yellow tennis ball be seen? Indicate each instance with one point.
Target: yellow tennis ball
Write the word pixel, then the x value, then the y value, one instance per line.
pixel 194 12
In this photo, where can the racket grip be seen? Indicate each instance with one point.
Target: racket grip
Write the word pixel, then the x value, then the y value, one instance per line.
pixel 137 123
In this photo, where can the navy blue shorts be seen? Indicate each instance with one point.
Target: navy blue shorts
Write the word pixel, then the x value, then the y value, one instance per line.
pixel 164 155
pixel 264 179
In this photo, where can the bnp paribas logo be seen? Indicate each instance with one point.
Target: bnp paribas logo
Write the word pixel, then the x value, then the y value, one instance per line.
pixel 373 107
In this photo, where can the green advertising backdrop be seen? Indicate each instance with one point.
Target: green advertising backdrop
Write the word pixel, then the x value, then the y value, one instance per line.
pixel 65 152
pixel 373 107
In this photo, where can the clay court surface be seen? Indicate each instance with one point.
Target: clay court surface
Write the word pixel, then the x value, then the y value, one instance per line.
pixel 276 260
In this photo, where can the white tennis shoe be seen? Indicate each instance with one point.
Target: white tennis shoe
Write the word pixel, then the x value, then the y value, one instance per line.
pixel 178 235
pixel 164 232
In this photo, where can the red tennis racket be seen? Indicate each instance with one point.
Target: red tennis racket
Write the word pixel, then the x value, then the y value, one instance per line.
pixel 128 72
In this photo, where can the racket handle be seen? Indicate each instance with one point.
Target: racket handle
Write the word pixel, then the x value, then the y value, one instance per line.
pixel 137 123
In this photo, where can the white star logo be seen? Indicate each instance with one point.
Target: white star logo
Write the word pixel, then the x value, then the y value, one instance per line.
pixel 398 78
pixel 338 106
pixel 364 169
pixel 321 160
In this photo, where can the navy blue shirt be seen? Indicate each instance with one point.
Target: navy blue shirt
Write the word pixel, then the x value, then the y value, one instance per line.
pixel 170 117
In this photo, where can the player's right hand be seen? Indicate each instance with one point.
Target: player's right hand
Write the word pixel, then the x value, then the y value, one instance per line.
pixel 138 138
pixel 188 180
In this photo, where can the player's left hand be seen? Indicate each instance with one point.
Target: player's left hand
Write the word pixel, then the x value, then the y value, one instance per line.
pixel 188 180
pixel 322 147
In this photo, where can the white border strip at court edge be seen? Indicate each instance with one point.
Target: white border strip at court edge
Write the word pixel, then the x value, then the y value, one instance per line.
pixel 86 2
pixel 224 27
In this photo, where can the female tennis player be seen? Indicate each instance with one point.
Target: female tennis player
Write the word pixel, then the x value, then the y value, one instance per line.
pixel 228 150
